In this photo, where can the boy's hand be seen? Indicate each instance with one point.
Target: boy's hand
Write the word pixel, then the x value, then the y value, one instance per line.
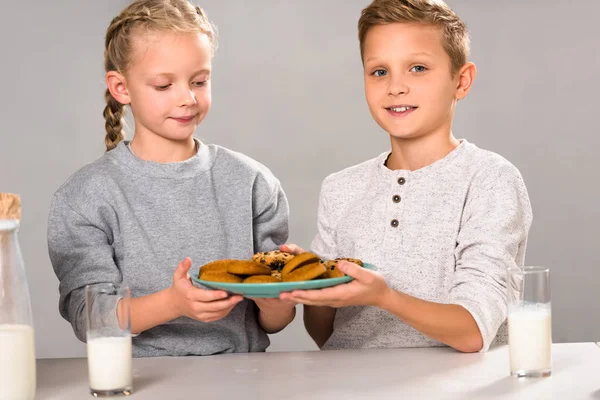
pixel 196 303
pixel 367 289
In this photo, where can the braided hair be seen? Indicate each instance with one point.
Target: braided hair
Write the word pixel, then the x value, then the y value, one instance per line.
pixel 141 16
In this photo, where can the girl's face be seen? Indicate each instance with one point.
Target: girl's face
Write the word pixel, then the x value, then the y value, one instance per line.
pixel 168 83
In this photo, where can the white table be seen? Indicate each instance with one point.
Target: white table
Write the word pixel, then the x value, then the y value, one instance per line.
pixel 433 373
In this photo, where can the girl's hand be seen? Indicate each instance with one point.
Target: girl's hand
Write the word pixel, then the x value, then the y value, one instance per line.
pixel 275 314
pixel 367 289
pixel 274 306
pixel 291 248
pixel 196 303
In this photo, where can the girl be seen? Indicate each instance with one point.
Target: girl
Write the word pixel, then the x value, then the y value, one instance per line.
pixel 147 203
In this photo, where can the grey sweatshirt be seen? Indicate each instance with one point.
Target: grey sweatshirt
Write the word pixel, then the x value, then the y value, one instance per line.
pixel 445 233
pixel 124 219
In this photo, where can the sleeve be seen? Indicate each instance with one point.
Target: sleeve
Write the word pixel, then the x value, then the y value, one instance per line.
pixel 492 237
pixel 271 215
pixel 324 242
pixel 81 253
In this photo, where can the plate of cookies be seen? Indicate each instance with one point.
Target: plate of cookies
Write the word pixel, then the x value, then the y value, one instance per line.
pixel 270 273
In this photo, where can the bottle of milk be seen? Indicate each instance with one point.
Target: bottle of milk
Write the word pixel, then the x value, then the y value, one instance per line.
pixel 17 354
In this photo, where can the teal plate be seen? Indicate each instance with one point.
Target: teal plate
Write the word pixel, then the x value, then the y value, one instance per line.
pixel 272 290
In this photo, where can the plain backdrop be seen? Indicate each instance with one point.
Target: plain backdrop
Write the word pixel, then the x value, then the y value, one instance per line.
pixel 288 91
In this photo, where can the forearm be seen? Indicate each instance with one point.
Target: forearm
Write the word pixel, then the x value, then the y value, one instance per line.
pixel 450 324
pixel 318 322
pixel 152 310
pixel 274 321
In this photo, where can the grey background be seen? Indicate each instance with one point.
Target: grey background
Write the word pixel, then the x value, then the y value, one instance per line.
pixel 288 91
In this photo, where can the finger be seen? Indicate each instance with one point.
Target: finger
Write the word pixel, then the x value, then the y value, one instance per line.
pixel 182 269
pixel 216 315
pixel 322 295
pixel 205 295
pixel 291 248
pixel 217 305
pixel 286 296
pixel 355 271
pixel 211 316
pixel 319 303
pixel 272 302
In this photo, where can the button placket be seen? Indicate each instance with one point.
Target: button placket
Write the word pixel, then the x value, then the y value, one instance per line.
pixel 397 207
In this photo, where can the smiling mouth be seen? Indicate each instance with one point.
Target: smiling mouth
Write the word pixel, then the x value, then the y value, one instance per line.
pixel 401 109
pixel 185 119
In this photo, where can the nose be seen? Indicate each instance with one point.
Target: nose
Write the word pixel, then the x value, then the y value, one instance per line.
pixel 186 97
pixel 397 87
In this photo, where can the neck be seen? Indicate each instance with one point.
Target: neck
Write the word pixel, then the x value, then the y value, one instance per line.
pixel 158 149
pixel 416 153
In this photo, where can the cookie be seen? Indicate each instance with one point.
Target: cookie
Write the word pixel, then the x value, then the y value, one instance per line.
pixel 305 273
pixel 220 276
pixel 219 265
pixel 273 259
pixel 262 279
pixel 298 261
pixel 276 274
pixel 332 270
pixel 247 267
pixel 352 260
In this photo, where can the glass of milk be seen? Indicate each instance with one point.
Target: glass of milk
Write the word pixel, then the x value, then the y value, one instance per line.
pixel 529 322
pixel 108 339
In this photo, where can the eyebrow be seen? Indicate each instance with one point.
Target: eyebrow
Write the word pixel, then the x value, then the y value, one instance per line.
pixel 422 53
pixel 170 75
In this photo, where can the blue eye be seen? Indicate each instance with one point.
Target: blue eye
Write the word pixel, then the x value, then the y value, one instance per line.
pixel 418 68
pixel 379 72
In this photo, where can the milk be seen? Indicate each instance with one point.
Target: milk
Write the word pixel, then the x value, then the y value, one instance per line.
pixel 17 362
pixel 530 339
pixel 109 363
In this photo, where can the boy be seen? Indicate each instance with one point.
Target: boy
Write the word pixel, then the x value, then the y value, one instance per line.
pixel 439 217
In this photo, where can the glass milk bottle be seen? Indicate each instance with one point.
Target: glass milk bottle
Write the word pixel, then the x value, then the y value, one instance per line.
pixel 17 354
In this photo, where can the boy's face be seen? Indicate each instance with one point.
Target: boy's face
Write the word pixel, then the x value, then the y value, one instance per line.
pixel 408 80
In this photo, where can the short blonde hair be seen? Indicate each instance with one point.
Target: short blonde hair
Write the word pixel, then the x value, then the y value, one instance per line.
pixel 431 12
pixel 143 16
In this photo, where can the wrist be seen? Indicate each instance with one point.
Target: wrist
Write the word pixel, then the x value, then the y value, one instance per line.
pixel 283 314
pixel 275 319
pixel 280 312
pixel 386 299
pixel 170 301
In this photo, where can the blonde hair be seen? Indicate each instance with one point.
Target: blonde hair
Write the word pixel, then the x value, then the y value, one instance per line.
pixel 178 16
pixel 455 34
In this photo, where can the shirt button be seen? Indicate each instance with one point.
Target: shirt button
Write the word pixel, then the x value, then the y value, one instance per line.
pixel 394 223
pixel 401 181
pixel 396 198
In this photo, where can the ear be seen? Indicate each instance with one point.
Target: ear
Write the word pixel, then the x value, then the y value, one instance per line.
pixel 117 85
pixel 465 77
